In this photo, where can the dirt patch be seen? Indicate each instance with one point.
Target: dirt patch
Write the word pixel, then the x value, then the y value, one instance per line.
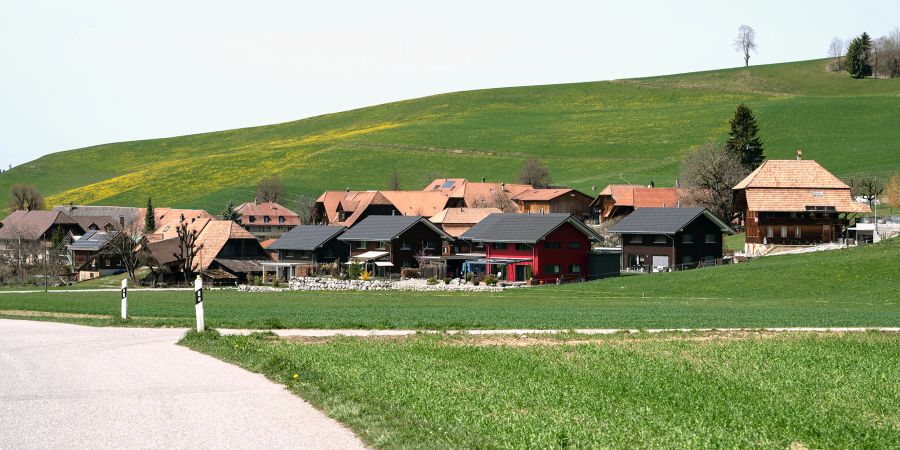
pixel 57 315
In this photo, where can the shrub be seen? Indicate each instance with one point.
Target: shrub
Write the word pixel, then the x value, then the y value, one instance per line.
pixel 432 280
pixel 354 271
pixel 365 275
pixel 447 280
pixel 468 277
pixel 276 282
pixel 410 272
pixel 490 280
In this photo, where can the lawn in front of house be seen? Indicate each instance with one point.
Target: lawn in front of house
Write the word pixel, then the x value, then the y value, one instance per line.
pixel 623 391
pixel 853 287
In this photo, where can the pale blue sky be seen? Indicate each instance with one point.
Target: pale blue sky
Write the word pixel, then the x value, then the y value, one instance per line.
pixel 80 73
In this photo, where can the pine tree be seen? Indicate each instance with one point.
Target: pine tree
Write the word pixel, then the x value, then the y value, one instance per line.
pixel 149 217
pixel 858 54
pixel 742 139
pixel 230 214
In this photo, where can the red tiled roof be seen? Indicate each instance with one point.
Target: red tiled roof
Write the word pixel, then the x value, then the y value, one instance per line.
pixel 644 197
pixel 267 209
pixel 456 221
pixel 417 203
pixel 213 237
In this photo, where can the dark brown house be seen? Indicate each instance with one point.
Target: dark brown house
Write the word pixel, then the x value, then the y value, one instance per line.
pixel 548 201
pixel 311 244
pixel 792 202
pixel 392 242
pixel 88 258
pixel 662 239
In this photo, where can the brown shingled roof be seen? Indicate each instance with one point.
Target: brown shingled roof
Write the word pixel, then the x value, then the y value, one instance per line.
pixel 32 225
pixel 798 200
pixel 791 173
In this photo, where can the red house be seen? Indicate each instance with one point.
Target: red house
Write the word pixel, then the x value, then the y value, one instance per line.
pixel 549 246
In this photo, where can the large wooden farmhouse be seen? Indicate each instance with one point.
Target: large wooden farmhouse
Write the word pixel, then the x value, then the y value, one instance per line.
pixel 792 202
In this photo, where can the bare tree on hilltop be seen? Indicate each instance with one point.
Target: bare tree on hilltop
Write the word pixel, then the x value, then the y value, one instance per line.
pixel 745 42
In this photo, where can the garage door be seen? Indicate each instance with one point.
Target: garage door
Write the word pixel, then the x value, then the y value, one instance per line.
pixel 660 261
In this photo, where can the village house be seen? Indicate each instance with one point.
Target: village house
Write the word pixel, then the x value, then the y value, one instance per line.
pixel 106 218
pixel 542 247
pixel 27 233
pixel 658 239
pixel 455 222
pixel 266 220
pixel 88 257
pixel 345 208
pixel 619 200
pixel 464 193
pixel 311 244
pixel 393 242
pixel 793 202
pixel 545 201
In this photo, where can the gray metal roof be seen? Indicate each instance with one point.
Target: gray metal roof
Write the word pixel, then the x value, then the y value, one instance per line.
pixel 91 241
pixel 522 228
pixel 385 228
pixel 663 220
pixel 306 237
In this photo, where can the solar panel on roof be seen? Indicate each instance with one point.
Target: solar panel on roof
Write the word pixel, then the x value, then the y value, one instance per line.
pixel 447 184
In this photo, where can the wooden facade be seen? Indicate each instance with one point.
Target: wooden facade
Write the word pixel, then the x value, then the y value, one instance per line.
pixel 699 243
pixel 403 248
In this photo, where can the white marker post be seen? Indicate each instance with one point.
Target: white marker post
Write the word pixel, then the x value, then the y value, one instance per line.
pixel 125 299
pixel 198 302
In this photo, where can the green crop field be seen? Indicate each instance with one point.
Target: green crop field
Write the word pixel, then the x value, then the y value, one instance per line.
pixel 626 391
pixel 590 134
pixel 853 287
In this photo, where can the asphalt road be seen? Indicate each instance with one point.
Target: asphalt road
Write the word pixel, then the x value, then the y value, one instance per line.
pixel 69 386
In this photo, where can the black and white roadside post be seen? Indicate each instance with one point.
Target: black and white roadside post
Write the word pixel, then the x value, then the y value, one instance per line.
pixel 124 298
pixel 198 302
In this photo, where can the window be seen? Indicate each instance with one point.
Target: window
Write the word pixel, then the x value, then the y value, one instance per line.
pixel 522 247
pixel 251 219
pixel 575 268
pixel 659 239
pixel 360 245
pixel 266 219
pixel 783 231
pixel 381 245
pixel 405 245
pixel 552 269
pixel 687 239
pixel 770 232
pixel 551 245
pixel 498 245
pixel 281 219
pixel 797 233
pixel 428 245
pixel 710 238
pixel 709 260
pixel 635 239
pixel 687 259
pixel 575 244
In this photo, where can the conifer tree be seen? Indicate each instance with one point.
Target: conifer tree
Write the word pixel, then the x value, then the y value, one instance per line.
pixel 149 217
pixel 858 54
pixel 742 138
pixel 230 214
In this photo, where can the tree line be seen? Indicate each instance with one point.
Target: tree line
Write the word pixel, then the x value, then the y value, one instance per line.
pixel 863 57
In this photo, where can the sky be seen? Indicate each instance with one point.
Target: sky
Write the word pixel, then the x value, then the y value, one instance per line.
pixel 81 73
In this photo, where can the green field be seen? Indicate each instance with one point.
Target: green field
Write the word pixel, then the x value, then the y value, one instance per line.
pixel 853 287
pixel 590 134
pixel 638 391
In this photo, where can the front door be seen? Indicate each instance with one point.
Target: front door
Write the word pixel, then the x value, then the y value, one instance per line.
pixel 521 271
pixel 827 233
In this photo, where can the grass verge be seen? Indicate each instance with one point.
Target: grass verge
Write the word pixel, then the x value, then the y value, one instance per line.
pixel 673 391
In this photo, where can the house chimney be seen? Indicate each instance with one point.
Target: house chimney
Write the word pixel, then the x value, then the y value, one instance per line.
pixel 652 184
pixel 676 183
pixel 799 154
pixel 483 179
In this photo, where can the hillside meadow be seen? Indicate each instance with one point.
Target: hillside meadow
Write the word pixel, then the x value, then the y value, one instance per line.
pixel 590 134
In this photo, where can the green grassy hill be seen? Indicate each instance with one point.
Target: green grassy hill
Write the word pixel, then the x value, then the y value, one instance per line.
pixel 589 133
